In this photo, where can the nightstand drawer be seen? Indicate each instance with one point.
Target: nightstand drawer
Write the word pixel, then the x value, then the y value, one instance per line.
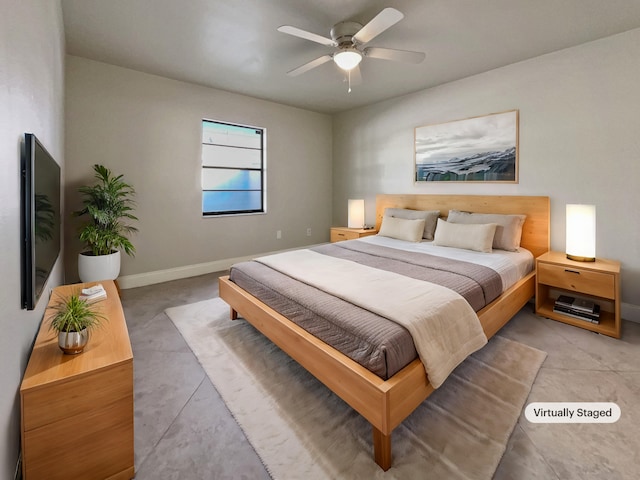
pixel 578 280
pixel 339 235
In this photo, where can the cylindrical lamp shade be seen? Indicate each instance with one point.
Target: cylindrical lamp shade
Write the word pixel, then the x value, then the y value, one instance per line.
pixel 356 214
pixel 581 232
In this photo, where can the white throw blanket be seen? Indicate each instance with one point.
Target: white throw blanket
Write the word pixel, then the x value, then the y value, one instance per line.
pixel 444 327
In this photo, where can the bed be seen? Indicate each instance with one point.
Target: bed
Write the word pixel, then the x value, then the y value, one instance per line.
pixel 384 403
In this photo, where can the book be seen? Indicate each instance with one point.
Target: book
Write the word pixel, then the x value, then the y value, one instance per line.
pixel 565 300
pixel 577 304
pixel 578 317
pixel 588 317
pixel 584 305
pixel 562 308
pixel 93 294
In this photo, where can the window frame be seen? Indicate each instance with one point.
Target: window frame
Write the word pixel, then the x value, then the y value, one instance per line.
pixel 262 170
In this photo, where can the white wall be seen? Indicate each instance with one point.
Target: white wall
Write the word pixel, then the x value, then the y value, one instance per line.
pixel 31 90
pixel 149 129
pixel 579 142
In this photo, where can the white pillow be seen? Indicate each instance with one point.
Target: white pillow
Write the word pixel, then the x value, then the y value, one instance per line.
pixel 461 235
pixel 508 231
pixel 402 229
pixel 430 217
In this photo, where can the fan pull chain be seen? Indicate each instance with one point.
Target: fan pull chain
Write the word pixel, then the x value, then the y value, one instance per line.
pixel 349 76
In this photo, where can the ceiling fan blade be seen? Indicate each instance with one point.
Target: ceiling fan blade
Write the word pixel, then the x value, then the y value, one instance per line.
pixel 308 66
pixel 395 55
pixel 296 32
pixel 385 19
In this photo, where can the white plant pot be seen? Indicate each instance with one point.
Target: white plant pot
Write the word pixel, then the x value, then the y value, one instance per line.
pixel 93 268
pixel 73 342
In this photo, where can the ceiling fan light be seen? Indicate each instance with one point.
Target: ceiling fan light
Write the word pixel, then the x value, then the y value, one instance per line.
pixel 347 59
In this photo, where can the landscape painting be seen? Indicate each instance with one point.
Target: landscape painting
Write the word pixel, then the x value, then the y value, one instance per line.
pixel 479 149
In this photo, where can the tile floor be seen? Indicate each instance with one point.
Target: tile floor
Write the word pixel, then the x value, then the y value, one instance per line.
pixel 184 431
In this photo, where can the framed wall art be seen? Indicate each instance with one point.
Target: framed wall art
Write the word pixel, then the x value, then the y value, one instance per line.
pixel 478 149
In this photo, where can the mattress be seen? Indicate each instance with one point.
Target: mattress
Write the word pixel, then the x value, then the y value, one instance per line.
pixel 375 342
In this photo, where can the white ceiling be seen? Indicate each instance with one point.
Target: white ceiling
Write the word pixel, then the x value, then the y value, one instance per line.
pixel 233 44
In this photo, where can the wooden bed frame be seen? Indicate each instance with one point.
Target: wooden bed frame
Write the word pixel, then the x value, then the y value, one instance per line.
pixel 386 403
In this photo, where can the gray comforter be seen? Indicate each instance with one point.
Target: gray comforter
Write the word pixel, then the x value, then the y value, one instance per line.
pixel 377 343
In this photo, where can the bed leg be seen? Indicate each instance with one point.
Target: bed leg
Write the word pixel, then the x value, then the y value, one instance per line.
pixel 382 449
pixel 233 314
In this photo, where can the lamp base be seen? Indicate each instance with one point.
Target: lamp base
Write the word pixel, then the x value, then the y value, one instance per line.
pixel 578 258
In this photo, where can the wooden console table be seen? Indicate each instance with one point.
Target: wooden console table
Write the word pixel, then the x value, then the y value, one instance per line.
pixel 77 410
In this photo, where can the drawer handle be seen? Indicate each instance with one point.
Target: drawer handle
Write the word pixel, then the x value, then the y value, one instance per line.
pixel 572 271
pixel 341 234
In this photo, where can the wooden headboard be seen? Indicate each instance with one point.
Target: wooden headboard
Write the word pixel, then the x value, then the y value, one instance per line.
pixel 535 232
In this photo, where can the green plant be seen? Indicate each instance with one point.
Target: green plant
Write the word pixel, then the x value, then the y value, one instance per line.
pixel 72 314
pixel 108 204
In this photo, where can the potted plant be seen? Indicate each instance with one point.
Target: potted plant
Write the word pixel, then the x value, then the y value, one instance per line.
pixel 73 318
pixel 108 206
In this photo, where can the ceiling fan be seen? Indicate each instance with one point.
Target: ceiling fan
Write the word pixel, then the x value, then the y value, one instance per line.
pixel 349 39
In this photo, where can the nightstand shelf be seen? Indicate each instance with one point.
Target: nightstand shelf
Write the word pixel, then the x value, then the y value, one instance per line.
pixel 339 234
pixel 598 281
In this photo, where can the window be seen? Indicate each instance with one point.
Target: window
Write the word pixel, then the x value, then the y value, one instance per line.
pixel 233 169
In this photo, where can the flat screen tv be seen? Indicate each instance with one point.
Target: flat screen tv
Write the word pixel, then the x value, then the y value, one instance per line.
pixel 40 225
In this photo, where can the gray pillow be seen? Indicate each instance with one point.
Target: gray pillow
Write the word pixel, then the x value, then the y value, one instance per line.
pixel 430 218
pixel 508 232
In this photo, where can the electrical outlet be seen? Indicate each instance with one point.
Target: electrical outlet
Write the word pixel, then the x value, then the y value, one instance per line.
pixel 278 234
pixel 309 232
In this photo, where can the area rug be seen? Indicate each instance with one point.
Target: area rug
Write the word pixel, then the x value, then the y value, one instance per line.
pixel 301 430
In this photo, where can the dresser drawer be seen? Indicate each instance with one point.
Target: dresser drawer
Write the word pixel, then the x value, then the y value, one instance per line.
pixel 93 444
pixel 64 399
pixel 577 279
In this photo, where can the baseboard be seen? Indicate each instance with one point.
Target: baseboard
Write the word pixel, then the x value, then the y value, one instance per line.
pixel 160 276
pixel 630 312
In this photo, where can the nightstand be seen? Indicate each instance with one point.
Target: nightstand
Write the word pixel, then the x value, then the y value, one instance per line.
pixel 344 233
pixel 597 281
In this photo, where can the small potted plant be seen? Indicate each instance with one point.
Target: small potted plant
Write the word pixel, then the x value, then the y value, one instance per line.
pixel 108 206
pixel 73 319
